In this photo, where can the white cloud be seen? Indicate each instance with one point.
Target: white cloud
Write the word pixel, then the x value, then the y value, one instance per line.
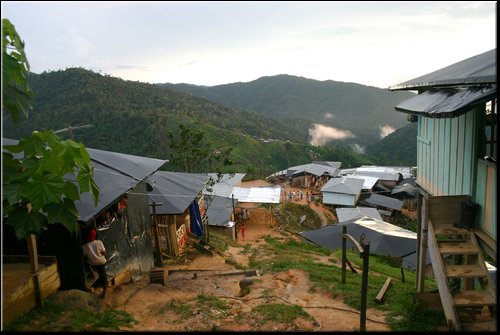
pixel 386 130
pixel 321 134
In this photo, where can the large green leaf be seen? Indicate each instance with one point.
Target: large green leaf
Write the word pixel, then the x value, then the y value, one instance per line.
pixel 64 213
pixel 12 192
pixel 44 189
pixel 71 190
pixel 87 183
pixel 25 222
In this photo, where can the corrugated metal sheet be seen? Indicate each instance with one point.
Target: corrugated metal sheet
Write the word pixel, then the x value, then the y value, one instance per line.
pixel 445 103
pixel 344 185
pixel 348 214
pixel 479 69
pixel 263 195
pixel 381 200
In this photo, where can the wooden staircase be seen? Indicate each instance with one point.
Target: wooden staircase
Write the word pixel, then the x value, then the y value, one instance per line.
pixel 467 292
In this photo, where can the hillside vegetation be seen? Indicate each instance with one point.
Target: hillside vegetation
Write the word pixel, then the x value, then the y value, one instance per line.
pixel 346 106
pixel 134 117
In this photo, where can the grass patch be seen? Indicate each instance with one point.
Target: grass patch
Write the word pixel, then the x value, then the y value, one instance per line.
pixel 397 300
pixel 221 242
pixel 280 313
pixel 54 317
pixel 212 302
pixel 176 306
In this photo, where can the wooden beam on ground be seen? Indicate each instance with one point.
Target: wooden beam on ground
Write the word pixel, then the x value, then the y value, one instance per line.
pixel 380 295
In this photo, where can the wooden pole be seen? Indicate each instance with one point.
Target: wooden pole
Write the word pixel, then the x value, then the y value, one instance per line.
pixel 344 257
pixel 33 253
pixel 158 261
pixel 364 287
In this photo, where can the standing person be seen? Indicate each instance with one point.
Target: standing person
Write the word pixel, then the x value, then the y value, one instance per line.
pixel 243 230
pixel 94 252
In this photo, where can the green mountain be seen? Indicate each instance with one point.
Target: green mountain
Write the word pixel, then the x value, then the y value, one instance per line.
pixel 134 117
pixel 398 148
pixel 344 106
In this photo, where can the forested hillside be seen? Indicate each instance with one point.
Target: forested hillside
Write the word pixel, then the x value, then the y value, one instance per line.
pixel 398 148
pixel 134 118
pixel 346 106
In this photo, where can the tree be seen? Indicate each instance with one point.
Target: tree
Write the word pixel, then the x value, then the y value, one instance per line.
pixel 192 152
pixel 43 176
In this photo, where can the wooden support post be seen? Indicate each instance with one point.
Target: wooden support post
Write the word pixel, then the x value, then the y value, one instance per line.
pixel 380 295
pixel 33 253
pixel 157 254
pixel 344 256
pixel 364 287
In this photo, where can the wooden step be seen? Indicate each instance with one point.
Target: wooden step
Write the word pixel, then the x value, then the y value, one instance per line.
pixel 450 230
pixel 465 271
pixel 473 299
pixel 457 248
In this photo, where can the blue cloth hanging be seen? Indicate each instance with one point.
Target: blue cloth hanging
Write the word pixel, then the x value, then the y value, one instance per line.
pixel 195 219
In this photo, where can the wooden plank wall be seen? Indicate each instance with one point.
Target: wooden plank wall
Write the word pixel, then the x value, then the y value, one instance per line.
pixel 447 152
pixel 22 299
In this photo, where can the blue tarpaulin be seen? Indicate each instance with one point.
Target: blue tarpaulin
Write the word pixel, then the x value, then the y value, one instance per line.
pixel 196 223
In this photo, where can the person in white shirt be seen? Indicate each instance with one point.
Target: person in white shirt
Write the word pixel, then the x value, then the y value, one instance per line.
pixel 95 252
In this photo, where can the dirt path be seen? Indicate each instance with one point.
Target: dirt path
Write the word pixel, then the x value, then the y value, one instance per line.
pixel 181 305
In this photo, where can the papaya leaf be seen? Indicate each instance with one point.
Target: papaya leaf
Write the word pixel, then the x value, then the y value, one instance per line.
pixel 25 222
pixel 64 212
pixel 87 183
pixel 44 189
pixel 71 191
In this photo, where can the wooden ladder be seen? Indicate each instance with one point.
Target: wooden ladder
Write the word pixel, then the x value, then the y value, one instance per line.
pixel 467 292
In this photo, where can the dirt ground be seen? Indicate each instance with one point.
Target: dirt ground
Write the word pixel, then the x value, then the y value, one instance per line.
pixel 176 306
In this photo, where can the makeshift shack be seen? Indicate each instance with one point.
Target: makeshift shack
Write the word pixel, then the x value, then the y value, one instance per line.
pixel 172 197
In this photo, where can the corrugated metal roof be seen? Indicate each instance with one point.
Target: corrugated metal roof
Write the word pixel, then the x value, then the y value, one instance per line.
pixel 224 187
pixel 381 200
pixel 344 185
pixel 479 69
pixel 317 168
pixel 405 191
pixel 368 181
pixel 445 103
pixel 346 214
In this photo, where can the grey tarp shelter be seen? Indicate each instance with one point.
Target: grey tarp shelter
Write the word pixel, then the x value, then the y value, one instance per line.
pixel 126 237
pixel 175 190
pixel 385 238
pixel 170 199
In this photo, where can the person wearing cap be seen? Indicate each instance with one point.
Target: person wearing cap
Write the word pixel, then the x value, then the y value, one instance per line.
pixel 95 253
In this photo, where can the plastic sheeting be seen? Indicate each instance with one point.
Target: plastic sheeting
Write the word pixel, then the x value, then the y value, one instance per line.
pixel 385 238
pixel 219 210
pixel 128 239
pixel 175 190
pixel 263 195
pixel 195 219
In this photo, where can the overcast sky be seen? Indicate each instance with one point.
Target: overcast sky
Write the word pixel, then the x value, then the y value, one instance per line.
pixel 372 43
